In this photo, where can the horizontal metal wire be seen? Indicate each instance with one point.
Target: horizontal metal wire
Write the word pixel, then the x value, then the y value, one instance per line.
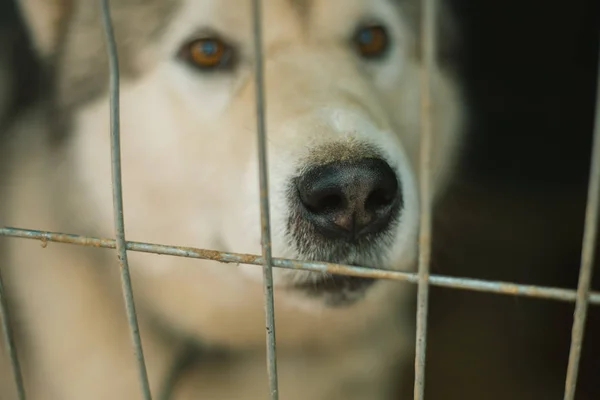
pixel 478 285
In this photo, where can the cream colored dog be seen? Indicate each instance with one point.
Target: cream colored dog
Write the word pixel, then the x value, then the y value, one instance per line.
pixel 342 93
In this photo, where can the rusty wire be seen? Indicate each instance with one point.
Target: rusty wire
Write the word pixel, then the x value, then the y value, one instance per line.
pixel 428 51
pixel 265 222
pixel 590 234
pixel 9 343
pixel 477 285
pixel 117 192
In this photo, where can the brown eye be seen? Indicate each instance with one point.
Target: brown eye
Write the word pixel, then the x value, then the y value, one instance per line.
pixel 371 41
pixel 208 53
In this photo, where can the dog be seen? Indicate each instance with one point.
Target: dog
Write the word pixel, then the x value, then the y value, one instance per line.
pixel 343 121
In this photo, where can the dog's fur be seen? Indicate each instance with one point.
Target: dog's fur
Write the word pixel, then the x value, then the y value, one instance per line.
pixel 6 76
pixel 190 178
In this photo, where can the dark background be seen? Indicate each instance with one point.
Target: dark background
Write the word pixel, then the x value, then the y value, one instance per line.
pixel 516 210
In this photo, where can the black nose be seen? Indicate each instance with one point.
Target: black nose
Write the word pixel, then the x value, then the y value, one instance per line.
pixel 350 199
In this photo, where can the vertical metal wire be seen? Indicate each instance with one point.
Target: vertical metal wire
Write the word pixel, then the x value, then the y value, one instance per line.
pixel 118 198
pixel 427 64
pixel 9 343
pixel 587 257
pixel 264 202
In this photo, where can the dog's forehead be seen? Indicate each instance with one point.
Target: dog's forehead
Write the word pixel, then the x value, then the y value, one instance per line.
pixel 282 20
pixel 142 22
pixel 140 25
pixel 235 15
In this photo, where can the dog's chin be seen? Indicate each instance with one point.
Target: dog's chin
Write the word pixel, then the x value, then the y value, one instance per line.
pixel 335 290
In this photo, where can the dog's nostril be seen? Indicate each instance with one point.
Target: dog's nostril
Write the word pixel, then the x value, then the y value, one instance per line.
pixel 379 198
pixel 321 200
pixel 347 199
pixel 330 203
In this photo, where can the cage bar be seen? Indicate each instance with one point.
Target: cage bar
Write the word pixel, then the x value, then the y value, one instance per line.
pixel 427 64
pixel 588 250
pixel 9 344
pixel 476 285
pixel 265 221
pixel 121 244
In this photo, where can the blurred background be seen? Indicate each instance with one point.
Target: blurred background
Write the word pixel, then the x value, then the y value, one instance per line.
pixel 515 212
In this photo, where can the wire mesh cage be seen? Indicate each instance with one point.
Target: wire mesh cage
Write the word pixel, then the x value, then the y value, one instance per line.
pixel 583 297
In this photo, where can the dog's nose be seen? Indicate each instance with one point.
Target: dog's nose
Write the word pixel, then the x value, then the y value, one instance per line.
pixel 350 199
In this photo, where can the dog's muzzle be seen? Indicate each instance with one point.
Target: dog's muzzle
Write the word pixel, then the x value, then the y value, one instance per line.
pixel 343 213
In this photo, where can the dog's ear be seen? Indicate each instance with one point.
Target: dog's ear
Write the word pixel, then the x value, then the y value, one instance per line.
pixel 45 21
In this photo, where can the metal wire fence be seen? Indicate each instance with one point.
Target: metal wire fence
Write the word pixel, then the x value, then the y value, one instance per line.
pixel 583 296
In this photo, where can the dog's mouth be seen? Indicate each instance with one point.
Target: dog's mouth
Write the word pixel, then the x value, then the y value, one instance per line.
pixel 331 283
pixel 338 289
pixel 334 289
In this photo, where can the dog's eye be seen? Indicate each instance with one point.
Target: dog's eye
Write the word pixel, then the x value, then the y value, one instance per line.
pixel 371 41
pixel 208 54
